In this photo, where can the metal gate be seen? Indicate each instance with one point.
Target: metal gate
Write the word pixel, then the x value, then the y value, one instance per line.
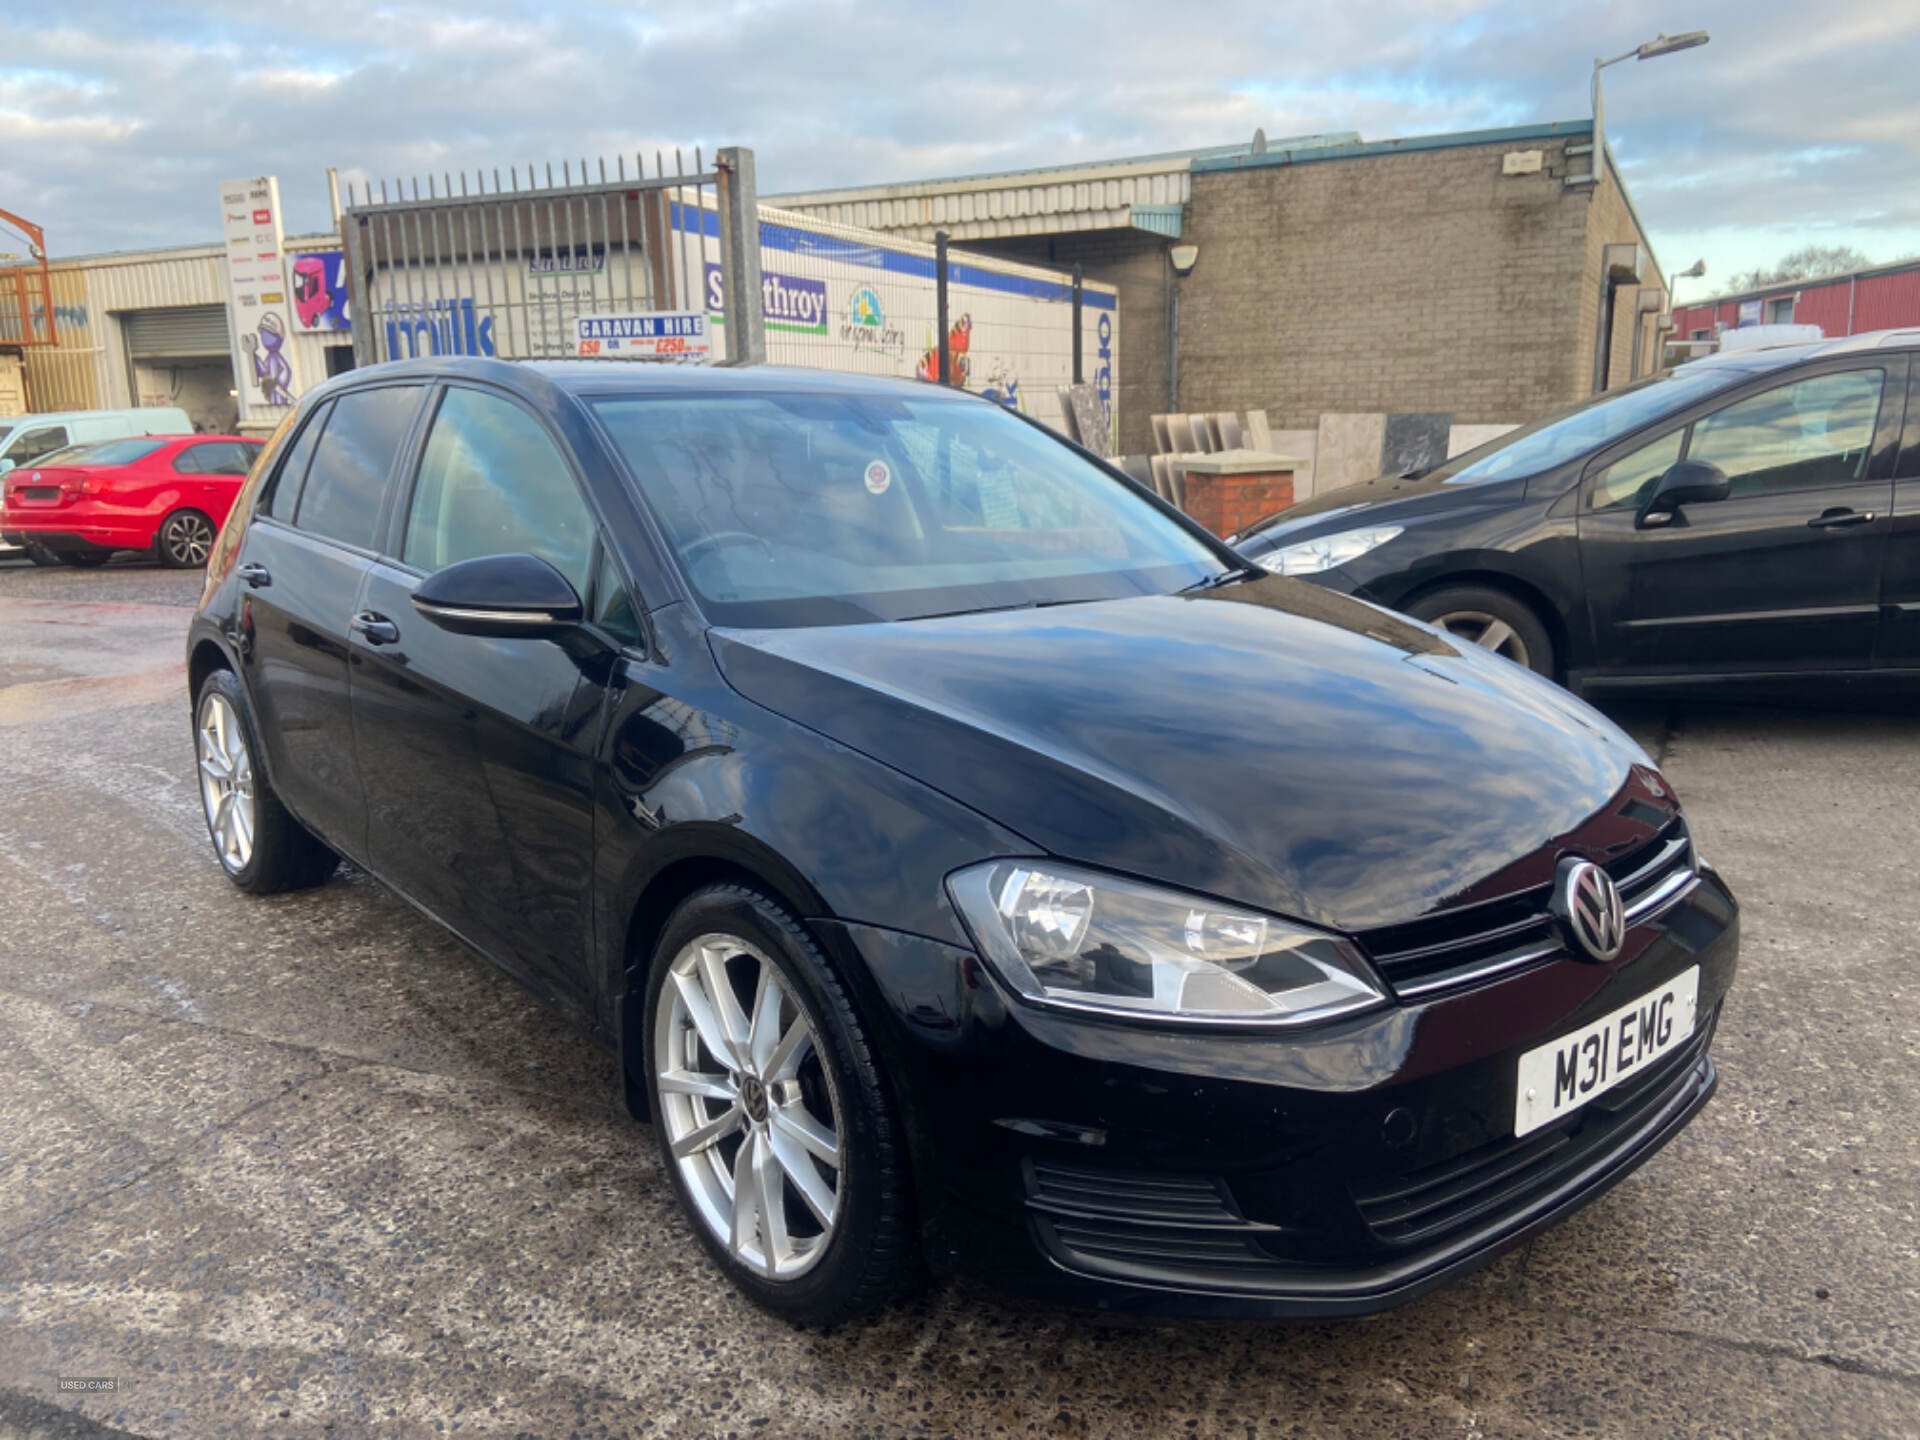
pixel 181 330
pixel 504 271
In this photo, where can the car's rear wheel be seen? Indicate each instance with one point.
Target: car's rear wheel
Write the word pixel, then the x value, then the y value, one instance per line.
pixel 775 1127
pixel 85 559
pixel 259 844
pixel 185 540
pixel 1493 620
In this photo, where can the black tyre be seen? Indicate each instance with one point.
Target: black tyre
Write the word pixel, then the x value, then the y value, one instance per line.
pixel 259 844
pixel 40 555
pixel 1493 620
pixel 776 1129
pixel 184 541
pixel 85 559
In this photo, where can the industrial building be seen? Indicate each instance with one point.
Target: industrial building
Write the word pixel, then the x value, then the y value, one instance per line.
pixel 1466 273
pixel 1492 275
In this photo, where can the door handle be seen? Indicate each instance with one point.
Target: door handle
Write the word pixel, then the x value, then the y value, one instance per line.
pixel 374 628
pixel 1840 519
pixel 256 576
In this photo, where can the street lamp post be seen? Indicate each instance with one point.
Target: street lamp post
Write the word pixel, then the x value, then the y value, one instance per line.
pixel 1662 44
pixel 1658 46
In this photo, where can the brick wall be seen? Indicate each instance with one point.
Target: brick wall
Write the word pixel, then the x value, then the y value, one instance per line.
pixel 1421 280
pixel 1611 222
pixel 1134 263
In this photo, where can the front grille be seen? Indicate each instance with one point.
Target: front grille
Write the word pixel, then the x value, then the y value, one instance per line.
pixel 1475 942
pixel 1143 1227
pixel 1429 1204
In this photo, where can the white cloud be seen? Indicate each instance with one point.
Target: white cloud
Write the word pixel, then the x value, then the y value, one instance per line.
pixel 121 115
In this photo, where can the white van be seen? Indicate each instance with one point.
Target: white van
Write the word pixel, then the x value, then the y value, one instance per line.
pixel 25 438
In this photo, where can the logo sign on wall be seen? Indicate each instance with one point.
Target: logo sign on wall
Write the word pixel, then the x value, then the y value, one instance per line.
pixel 673 335
pixel 790 302
pixel 257 308
pixel 1749 312
pixel 318 280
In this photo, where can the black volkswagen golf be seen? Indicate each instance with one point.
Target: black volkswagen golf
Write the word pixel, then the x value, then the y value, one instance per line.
pixel 966 856
pixel 1749 517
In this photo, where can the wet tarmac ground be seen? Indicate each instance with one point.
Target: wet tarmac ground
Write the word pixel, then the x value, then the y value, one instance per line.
pixel 304 1167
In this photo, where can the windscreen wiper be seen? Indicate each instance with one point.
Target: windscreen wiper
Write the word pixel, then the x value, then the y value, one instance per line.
pixel 1225 577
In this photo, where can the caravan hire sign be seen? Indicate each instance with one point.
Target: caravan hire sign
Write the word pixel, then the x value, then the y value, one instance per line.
pixel 680 335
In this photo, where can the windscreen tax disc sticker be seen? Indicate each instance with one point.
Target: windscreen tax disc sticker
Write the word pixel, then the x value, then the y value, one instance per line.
pixel 879 477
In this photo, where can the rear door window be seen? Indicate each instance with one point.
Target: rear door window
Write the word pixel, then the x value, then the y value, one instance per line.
pixel 347 478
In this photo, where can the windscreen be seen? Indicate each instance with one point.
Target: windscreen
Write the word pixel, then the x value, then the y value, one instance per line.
pixel 790 509
pixel 1554 441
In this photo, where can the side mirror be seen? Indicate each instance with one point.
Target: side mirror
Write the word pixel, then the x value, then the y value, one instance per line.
pixel 502 597
pixel 1686 482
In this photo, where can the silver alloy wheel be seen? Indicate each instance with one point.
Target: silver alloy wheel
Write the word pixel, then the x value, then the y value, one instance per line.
pixel 226 781
pixel 1489 632
pixel 188 539
pixel 741 1091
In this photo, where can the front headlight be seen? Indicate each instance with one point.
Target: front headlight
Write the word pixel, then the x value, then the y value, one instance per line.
pixel 1085 941
pixel 1310 557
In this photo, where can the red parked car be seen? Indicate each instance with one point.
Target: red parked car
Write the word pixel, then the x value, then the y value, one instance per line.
pixel 166 494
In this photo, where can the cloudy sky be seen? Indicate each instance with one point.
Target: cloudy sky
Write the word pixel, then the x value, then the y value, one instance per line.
pixel 118 118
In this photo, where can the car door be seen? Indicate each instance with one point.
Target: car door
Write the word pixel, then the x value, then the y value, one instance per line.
pixel 478 753
pixel 210 473
pixel 303 561
pixel 1783 574
pixel 1900 582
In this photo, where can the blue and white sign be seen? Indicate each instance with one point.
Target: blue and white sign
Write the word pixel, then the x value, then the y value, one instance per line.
pixel 793 303
pixel 684 336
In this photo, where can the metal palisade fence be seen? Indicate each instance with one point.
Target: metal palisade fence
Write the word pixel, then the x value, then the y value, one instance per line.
pixel 503 265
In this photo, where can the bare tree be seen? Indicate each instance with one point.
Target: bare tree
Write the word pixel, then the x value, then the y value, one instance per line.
pixel 1803 264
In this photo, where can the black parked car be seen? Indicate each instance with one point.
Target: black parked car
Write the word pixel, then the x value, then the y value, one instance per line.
pixel 965 854
pixel 1751 515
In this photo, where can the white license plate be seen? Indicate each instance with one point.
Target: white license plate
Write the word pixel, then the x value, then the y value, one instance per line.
pixel 1560 1077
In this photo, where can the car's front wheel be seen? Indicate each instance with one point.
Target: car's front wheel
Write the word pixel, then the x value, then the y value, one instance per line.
pixel 260 845
pixel 1493 620
pixel 775 1125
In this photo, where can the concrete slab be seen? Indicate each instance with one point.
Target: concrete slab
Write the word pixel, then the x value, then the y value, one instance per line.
pixel 1347 450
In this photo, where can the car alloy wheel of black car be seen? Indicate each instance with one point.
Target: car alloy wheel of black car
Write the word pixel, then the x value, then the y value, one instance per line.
pixel 971 862
pixel 1750 517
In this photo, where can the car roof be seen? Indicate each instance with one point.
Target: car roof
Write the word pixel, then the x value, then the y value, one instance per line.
pixel 1773 357
pixel 605 377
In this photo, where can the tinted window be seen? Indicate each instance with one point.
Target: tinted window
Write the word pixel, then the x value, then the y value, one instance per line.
pixel 802 509
pixel 223 457
pixel 32 444
pixel 286 484
pixel 1813 432
pixel 108 452
pixel 1591 424
pixel 613 608
pixel 493 483
pixel 188 460
pixel 348 476
pixel 1628 480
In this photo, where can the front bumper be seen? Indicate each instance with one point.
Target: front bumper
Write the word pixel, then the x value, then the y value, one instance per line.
pixel 1334 1173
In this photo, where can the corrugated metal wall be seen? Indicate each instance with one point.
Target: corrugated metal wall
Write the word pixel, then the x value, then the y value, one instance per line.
pixel 1850 305
pixel 1004 205
pixel 89 368
pixel 66 376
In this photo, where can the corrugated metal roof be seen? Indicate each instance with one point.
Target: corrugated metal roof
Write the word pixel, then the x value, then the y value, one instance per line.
pixel 1286 152
pixel 1097 195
